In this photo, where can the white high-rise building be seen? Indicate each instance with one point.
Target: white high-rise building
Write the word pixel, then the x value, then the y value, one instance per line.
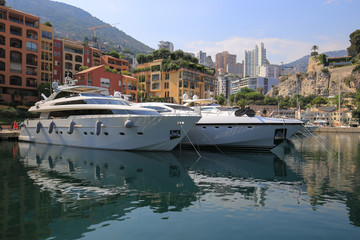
pixel 201 56
pixel 204 60
pixel 224 86
pixel 253 60
pixel 167 45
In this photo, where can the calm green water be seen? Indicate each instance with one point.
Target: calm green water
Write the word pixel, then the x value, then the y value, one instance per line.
pixel 305 192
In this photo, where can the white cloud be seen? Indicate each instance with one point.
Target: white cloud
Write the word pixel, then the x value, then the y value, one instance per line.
pixel 328 2
pixel 278 50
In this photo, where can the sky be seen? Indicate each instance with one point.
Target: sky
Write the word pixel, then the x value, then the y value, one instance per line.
pixel 288 28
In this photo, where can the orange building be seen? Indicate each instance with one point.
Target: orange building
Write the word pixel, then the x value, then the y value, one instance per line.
pixel 57 61
pixel 99 77
pixel 46 53
pixel 19 55
pixel 115 63
pixel 153 82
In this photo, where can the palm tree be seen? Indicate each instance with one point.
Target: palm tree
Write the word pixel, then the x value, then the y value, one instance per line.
pixel 314 52
pixel 314 48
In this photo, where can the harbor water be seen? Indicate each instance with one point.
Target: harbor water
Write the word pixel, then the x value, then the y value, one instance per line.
pixel 309 189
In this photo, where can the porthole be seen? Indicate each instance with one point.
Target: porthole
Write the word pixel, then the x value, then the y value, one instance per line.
pixel 60 132
pixel 106 133
pixel 204 127
pixel 140 133
pixel 249 126
pixel 121 133
pixel 229 126
pixel 91 133
pixel 85 133
pixel 216 126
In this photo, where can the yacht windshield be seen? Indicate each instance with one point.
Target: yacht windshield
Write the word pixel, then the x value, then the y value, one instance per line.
pixel 180 107
pixel 94 101
pixel 105 101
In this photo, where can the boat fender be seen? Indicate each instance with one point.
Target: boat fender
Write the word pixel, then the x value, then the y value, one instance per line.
pixel 51 127
pixel 98 127
pixel 71 127
pixel 38 127
pixel 129 123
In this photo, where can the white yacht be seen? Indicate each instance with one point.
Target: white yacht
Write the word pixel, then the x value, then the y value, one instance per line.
pixel 86 118
pixel 225 128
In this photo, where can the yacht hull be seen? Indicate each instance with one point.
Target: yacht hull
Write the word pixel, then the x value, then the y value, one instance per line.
pixel 237 136
pixel 144 133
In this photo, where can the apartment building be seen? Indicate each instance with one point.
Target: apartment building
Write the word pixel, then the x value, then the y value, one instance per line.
pixel 173 84
pixel 222 60
pixel 46 53
pixel 100 77
pixel 115 63
pixel 167 45
pixel 19 55
pixel 58 75
pixel 224 84
pixel 254 83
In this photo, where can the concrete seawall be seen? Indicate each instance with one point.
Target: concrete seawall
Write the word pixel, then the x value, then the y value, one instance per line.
pixel 9 134
pixel 338 129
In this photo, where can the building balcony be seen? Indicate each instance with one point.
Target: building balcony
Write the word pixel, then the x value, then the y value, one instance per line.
pixel 29 84
pixel 15 32
pixel 32 63
pixel 16 20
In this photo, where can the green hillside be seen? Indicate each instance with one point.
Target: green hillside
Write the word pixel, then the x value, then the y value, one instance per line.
pixel 73 22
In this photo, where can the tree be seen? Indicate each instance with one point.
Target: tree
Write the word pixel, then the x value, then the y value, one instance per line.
pixel 141 58
pixel 354 48
pixel 10 113
pixel 115 54
pixel 260 90
pixel 318 101
pixel 2 3
pixel 220 99
pixel 270 100
pixel 314 48
pixel 82 68
pixel 44 88
pixel 47 24
pixel 242 103
pixel 254 96
pixel 246 90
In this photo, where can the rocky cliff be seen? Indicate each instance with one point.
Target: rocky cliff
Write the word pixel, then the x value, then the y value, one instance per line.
pixel 318 80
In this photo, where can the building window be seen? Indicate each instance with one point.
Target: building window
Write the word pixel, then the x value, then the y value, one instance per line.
pixel 155 77
pixel 166 85
pixel 2 79
pixel 155 86
pixel 104 82
pixel 180 84
pixel 31 46
pixel 90 78
pixel 167 76
pixel 141 78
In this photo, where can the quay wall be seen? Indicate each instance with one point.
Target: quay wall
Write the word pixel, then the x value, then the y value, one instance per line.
pixel 9 134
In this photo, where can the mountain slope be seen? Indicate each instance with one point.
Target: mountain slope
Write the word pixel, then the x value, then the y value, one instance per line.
pixel 73 22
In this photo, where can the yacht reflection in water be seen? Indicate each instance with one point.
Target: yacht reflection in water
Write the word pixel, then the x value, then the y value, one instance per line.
pixel 108 185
